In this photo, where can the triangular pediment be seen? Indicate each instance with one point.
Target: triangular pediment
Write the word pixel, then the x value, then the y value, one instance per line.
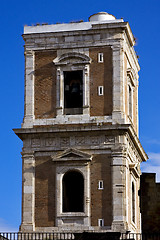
pixel 72 154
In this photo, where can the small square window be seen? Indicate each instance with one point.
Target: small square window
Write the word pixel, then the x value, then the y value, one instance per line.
pixel 100 57
pixel 100 222
pixel 100 90
pixel 100 184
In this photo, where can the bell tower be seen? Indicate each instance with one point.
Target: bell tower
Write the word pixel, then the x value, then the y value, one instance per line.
pixel 81 153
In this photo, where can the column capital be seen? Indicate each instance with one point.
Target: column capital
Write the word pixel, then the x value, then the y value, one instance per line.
pixel 27 154
pixel 29 52
pixel 120 151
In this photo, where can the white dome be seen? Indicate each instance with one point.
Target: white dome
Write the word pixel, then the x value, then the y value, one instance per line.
pixel 101 16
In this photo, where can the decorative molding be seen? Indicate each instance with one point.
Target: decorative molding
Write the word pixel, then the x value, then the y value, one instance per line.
pixel 64 141
pixel 73 58
pixel 36 142
pixel 132 151
pixel 27 155
pixel 80 140
pixel 132 75
pixel 28 53
pixel 72 141
pixel 50 142
pixel 94 140
pixel 109 140
pixel 134 169
pixel 71 154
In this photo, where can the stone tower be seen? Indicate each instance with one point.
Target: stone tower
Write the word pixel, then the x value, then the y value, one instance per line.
pixel 81 153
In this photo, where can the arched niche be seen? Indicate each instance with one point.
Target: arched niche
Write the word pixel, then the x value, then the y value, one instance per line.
pixel 73 192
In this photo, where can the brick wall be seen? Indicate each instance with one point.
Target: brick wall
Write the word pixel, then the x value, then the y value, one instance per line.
pixel 44 192
pixel 45 84
pixel 150 203
pixel 101 75
pixel 101 200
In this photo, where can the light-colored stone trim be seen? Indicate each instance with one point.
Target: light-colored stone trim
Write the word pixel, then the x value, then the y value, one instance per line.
pixel 65 27
pixel 72 61
pixel 119 168
pixel 76 220
pixel 29 89
pixel 28 191
pixel 118 94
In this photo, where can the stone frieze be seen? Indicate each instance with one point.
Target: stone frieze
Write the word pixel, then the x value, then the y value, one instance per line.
pixel 62 142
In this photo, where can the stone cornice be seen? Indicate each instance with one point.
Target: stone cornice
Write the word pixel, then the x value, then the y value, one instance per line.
pixel 94 28
pixel 137 143
pixel 70 27
pixel 58 129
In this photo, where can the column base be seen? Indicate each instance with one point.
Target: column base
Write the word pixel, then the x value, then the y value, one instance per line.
pixel 27 227
pixel 119 226
pixel 28 121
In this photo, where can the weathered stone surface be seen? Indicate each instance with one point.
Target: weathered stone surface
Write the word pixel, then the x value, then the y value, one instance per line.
pixel 99 140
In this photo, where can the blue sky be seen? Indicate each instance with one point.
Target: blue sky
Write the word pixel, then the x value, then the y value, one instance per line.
pixel 144 19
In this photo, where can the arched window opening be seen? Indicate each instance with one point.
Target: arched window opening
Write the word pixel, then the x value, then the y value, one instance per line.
pixel 73 92
pixel 73 192
pixel 133 203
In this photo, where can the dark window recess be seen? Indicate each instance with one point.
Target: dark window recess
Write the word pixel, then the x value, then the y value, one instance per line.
pixel 73 192
pixel 73 92
pixel 100 186
pixel 133 203
pixel 130 101
pixel 100 222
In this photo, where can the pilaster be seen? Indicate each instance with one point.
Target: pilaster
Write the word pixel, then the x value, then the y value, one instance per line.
pixel 60 89
pixel 28 192
pixel 118 89
pixel 86 90
pixel 29 90
pixel 118 169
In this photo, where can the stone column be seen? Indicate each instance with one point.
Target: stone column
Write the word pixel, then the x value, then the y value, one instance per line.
pixel 87 220
pixel 118 191
pixel 86 90
pixel 59 92
pixel 118 84
pixel 29 90
pixel 28 192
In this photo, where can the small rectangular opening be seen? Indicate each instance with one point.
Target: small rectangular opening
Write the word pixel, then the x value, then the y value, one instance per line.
pixel 100 184
pixel 100 57
pixel 100 222
pixel 100 90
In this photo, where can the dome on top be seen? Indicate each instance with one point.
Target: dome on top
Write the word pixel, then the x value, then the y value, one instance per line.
pixel 101 16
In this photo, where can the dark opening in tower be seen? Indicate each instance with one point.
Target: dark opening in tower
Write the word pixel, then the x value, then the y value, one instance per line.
pixel 73 192
pixel 73 92
pixel 133 203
